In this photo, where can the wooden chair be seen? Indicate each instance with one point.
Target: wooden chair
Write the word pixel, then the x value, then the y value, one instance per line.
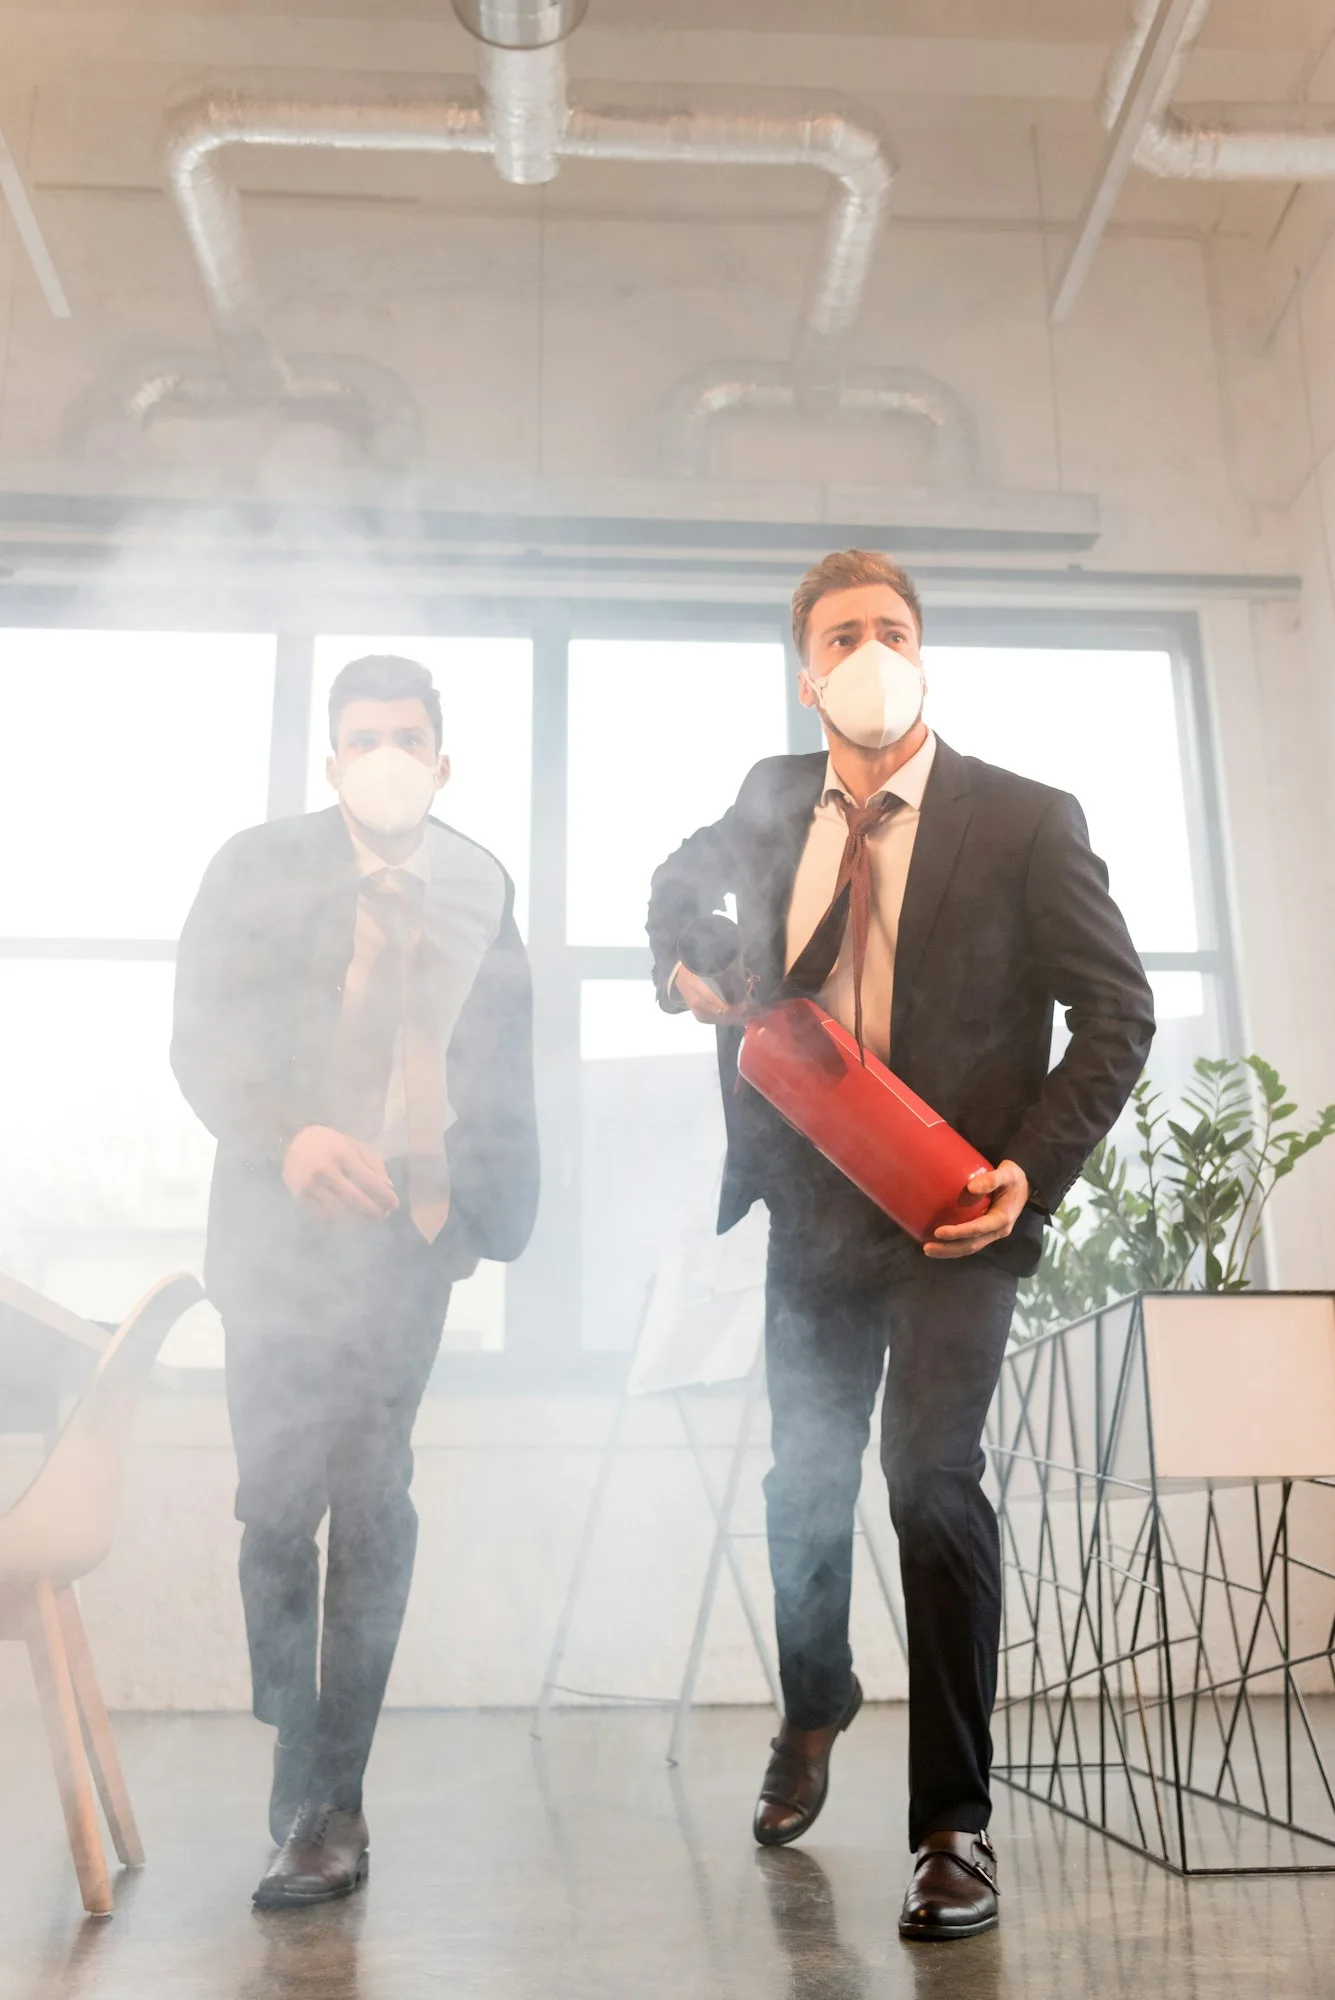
pixel 58 1530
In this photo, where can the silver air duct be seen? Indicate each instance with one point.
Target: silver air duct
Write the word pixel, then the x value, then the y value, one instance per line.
pixel 528 127
pixel 1212 142
pixel 522 70
pixel 864 394
pixel 210 206
pixel 854 156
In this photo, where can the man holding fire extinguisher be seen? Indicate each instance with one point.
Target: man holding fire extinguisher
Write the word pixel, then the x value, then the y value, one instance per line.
pixel 937 909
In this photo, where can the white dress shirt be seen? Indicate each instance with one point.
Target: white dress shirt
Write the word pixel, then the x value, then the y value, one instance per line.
pixel 890 846
pixel 392 1143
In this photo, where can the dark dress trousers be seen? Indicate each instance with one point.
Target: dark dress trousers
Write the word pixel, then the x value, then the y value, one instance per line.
pixel 1006 914
pixel 332 1331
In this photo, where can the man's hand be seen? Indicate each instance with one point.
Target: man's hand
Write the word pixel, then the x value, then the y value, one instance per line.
pixel 1008 1186
pixel 338 1178
pixel 704 1002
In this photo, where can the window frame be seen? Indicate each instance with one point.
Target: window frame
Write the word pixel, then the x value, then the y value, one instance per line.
pixel 543 1292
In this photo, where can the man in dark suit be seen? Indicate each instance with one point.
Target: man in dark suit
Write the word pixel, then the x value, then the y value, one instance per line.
pixel 939 907
pixel 354 1024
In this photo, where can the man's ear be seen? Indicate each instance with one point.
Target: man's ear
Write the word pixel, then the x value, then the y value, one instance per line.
pixel 331 769
pixel 442 773
pixel 806 694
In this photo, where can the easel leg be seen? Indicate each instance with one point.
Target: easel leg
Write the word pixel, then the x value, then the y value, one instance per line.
pixel 722 1529
pixel 592 1518
pixel 759 1638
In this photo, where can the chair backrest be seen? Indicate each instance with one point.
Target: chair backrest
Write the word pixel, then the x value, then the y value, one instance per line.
pixel 62 1525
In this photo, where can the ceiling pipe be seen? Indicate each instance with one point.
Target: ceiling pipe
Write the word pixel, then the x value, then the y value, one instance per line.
pixel 527 125
pixel 854 155
pixel 14 194
pixel 522 70
pixel 371 405
pixel 210 205
pixel 696 405
pixel 1205 142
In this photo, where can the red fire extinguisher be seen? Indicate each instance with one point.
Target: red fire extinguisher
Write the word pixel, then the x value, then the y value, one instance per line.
pixel 869 1124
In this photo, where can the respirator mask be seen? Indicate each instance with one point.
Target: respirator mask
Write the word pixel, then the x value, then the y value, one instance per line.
pixel 873 697
pixel 388 790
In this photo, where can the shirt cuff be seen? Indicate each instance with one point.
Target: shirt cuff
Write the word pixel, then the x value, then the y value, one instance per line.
pixel 672 1002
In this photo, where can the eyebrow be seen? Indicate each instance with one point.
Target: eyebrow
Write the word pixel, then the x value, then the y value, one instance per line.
pixel 856 624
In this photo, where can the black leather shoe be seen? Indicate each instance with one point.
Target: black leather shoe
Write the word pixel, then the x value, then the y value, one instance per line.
pixel 954 1891
pixel 291 1775
pixel 325 1856
pixel 798 1777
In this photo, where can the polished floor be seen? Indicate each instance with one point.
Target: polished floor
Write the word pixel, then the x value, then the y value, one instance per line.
pixel 583 1869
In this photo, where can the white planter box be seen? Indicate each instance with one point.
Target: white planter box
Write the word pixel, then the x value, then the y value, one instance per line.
pixel 1241 1384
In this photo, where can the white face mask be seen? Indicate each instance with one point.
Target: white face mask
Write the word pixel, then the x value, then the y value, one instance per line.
pixel 388 790
pixel 873 697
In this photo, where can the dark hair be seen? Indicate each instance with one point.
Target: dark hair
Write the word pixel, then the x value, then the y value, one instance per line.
pixel 384 677
pixel 845 570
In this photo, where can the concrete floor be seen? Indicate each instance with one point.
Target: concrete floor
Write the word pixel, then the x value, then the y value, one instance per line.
pixel 582 1869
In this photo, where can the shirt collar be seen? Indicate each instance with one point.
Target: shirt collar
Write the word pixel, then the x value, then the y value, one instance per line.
pixel 908 784
pixel 370 863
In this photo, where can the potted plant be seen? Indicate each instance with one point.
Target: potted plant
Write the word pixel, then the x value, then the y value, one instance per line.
pixel 1185 1212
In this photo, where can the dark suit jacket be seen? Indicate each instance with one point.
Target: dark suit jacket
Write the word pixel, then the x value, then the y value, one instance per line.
pixel 1006 912
pixel 259 977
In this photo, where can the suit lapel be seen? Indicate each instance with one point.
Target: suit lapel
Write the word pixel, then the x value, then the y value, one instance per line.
pixel 796 797
pixel 947 807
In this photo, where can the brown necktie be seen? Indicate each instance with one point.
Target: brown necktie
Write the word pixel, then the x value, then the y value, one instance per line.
pixel 816 961
pixel 388 994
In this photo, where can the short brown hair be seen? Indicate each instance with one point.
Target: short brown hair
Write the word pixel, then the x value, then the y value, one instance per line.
pixel 384 677
pixel 846 569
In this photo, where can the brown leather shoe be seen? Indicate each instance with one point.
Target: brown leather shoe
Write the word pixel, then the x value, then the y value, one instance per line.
pixel 326 1855
pixel 798 1776
pixel 954 1891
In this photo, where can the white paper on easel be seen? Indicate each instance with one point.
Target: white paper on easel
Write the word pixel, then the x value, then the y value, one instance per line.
pixel 706 1315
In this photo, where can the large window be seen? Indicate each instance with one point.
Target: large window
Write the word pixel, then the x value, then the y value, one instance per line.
pixel 586 743
pixel 126 760
pixel 1113 725
pixel 661 734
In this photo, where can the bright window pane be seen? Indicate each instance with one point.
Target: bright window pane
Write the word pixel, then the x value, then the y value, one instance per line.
pixel 104 1172
pixel 486 691
pixel 126 760
pixel 662 732
pixel 1097 723
pixel 621 1017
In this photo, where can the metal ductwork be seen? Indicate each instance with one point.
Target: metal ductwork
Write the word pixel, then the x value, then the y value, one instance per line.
pixel 522 70
pixel 371 405
pixel 210 207
pixel 521 24
pixel 527 125
pixel 1206 142
pixel 865 394
pixel 853 154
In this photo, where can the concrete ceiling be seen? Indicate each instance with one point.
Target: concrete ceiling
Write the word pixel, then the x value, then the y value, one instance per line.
pixel 1270 24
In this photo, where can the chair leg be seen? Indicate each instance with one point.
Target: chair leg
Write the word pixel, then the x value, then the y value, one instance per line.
pixel 101 1744
pixel 55 1691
